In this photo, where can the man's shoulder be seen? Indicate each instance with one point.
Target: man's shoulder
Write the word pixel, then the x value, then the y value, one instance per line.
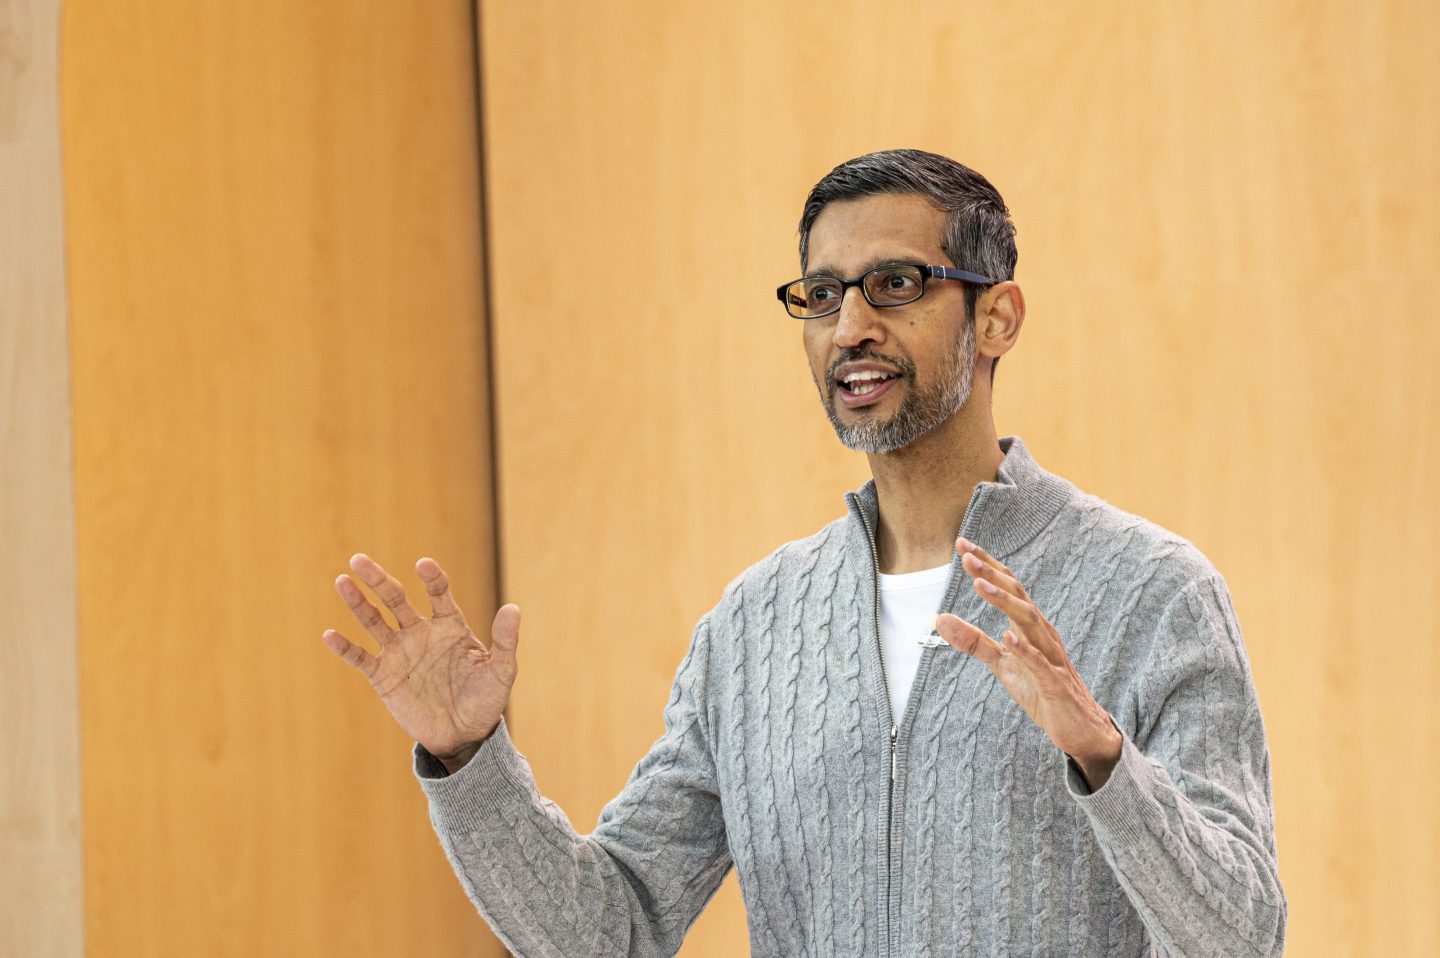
pixel 1117 542
pixel 792 563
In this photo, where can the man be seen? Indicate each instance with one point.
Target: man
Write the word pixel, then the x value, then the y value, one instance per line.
pixel 1071 763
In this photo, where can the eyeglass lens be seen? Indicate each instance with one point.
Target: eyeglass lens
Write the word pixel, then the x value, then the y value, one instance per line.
pixel 885 286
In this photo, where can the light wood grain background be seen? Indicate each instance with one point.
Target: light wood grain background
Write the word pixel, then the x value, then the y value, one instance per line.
pixel 279 359
pixel 1228 218
pixel 40 843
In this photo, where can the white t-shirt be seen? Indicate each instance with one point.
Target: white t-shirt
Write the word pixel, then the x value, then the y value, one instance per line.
pixel 908 604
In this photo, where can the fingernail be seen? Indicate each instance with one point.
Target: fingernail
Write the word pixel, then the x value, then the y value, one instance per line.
pixel 987 587
pixel 964 544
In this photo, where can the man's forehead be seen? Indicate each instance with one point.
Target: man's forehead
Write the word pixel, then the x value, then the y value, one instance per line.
pixel 869 231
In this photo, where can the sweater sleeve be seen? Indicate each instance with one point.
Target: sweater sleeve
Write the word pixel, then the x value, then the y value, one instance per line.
pixel 632 887
pixel 1185 819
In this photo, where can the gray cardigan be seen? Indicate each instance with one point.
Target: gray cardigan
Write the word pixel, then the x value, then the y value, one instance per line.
pixel 964 831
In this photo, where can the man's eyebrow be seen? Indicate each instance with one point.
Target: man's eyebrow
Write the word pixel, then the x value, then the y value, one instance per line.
pixel 824 269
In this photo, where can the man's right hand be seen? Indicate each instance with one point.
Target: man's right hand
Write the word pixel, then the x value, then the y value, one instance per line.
pixel 444 687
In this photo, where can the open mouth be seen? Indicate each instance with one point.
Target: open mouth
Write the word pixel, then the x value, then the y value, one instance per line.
pixel 864 387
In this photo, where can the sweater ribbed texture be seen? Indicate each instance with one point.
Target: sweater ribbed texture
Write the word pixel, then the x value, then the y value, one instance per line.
pixel 777 760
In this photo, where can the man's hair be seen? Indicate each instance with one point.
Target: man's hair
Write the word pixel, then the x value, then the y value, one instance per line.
pixel 979 236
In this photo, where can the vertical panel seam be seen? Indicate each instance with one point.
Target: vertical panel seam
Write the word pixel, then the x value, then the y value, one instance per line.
pixel 487 299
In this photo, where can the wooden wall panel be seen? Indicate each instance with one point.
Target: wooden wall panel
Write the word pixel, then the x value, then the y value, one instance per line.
pixel 1227 223
pixel 279 358
pixel 40 869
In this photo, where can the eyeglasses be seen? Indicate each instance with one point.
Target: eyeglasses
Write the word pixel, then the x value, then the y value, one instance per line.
pixel 895 285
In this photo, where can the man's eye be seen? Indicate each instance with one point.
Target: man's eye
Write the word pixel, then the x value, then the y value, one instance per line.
pixel 822 294
pixel 899 281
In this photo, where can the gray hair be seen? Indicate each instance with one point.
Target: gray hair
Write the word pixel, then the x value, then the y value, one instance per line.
pixel 979 236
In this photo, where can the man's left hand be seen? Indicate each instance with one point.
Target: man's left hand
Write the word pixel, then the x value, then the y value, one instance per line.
pixel 1030 662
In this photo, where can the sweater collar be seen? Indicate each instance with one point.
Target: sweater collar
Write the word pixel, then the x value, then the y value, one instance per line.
pixel 1002 515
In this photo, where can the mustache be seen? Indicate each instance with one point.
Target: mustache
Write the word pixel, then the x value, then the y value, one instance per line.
pixel 851 355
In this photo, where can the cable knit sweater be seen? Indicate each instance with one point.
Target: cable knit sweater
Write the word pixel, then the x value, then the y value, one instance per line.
pixel 963 831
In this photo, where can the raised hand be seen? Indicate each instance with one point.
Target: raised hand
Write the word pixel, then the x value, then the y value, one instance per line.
pixel 445 688
pixel 1030 662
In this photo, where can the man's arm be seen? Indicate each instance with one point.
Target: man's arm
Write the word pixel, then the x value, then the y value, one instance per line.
pixel 1183 817
pixel 633 886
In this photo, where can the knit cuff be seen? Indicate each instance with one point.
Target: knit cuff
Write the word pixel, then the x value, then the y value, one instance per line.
pixel 1115 809
pixel 496 777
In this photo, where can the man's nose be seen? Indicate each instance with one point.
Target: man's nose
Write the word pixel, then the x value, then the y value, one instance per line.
pixel 857 322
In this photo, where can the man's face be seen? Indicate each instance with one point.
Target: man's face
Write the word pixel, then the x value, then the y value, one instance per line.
pixel 922 352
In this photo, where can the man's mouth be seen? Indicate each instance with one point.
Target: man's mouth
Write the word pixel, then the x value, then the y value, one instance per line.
pixel 862 387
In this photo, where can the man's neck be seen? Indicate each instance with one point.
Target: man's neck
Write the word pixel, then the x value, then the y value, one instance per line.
pixel 924 489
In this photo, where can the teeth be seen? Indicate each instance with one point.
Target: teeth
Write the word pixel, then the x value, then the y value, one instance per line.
pixel 864 376
pixel 864 381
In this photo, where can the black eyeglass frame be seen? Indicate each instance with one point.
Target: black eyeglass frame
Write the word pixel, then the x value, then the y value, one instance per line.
pixel 926 273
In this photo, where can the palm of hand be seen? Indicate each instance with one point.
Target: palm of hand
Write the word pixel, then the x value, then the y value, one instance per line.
pixel 444 687
pixel 1019 681
pixel 1052 694
pixel 1031 663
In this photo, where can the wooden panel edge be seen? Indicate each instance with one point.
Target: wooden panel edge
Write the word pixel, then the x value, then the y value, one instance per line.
pixel 41 874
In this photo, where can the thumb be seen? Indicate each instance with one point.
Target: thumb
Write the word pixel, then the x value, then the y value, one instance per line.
pixel 505 632
pixel 967 638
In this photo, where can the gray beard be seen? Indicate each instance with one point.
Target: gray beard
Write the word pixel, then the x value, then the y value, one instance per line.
pixel 919 413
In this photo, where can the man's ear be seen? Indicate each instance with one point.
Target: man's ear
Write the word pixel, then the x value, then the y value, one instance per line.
pixel 999 314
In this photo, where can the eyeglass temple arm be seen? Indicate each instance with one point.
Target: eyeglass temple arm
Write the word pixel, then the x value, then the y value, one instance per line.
pixel 945 272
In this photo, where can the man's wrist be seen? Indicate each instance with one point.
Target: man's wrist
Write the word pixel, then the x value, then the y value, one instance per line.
pixel 455 759
pixel 458 760
pixel 1096 764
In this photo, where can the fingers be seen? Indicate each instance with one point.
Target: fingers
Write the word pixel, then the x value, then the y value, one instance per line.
pixel 998 586
pixel 1026 621
pixel 505 632
pixel 367 614
pixel 967 638
pixel 350 652
pixel 1039 664
pixel 964 545
pixel 387 587
pixel 437 584
pixel 982 564
pixel 999 657
pixel 1022 612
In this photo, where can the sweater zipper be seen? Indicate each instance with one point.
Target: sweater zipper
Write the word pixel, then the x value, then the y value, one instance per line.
pixel 894 729
pixel 891 931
